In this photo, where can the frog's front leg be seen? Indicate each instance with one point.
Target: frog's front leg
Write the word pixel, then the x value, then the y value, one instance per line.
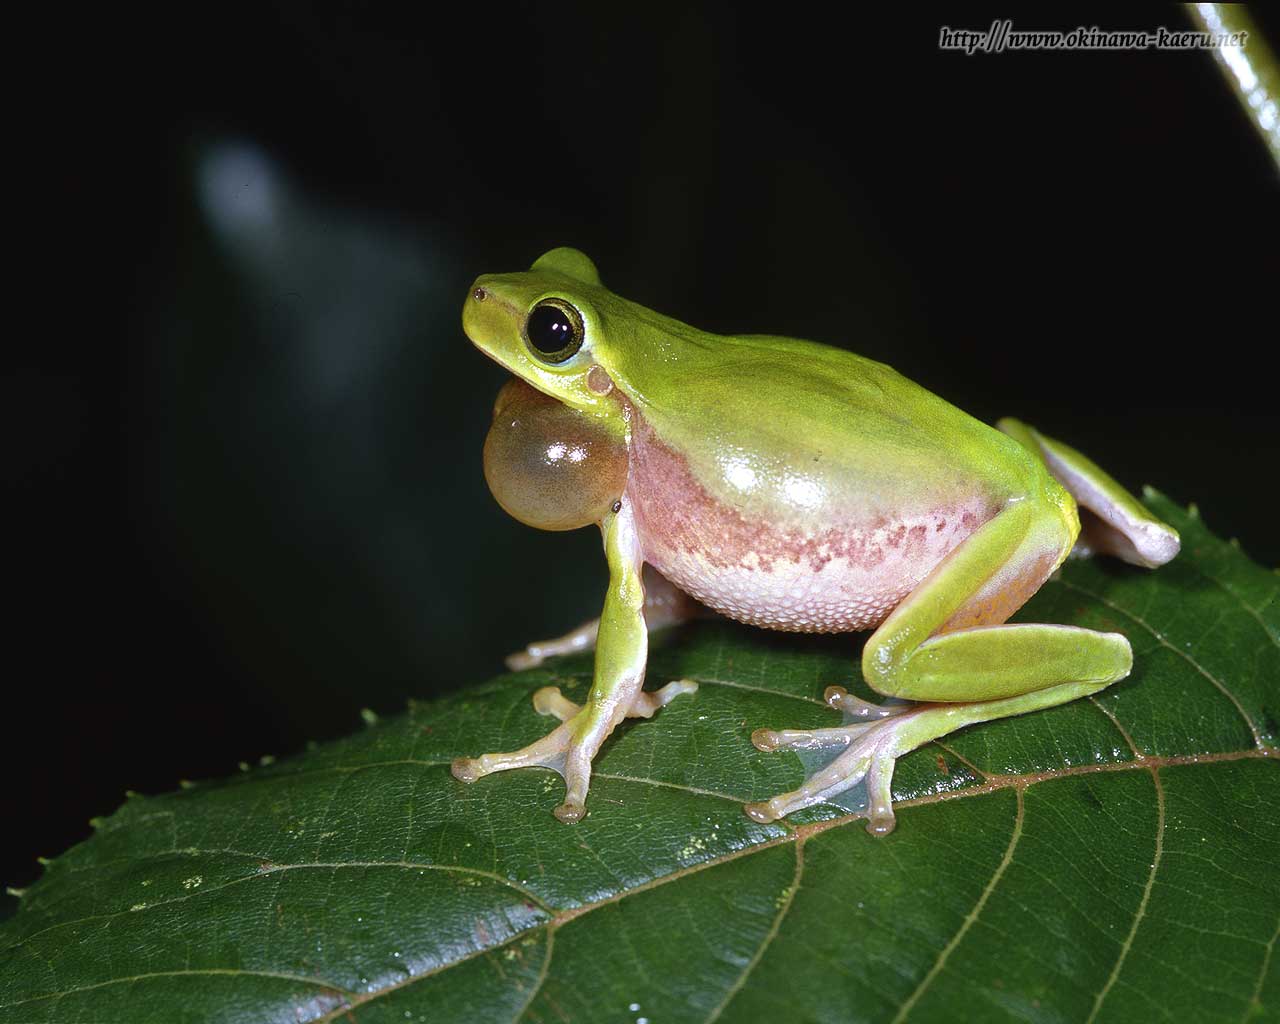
pixel 665 604
pixel 945 645
pixel 621 651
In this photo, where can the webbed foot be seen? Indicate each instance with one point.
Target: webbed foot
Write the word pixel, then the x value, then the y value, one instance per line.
pixel 873 741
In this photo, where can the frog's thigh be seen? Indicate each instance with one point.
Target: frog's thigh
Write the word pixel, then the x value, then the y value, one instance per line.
pixel 1113 521
pixel 945 642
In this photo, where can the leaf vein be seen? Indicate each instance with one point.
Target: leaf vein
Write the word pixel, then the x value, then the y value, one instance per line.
pixel 1256 613
pixel 972 916
pixel 1254 1006
pixel 541 979
pixel 279 869
pixel 1253 728
pixel 1142 904
pixel 231 971
pixel 770 935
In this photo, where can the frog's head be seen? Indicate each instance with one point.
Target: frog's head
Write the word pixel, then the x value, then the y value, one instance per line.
pixel 543 326
pixel 547 463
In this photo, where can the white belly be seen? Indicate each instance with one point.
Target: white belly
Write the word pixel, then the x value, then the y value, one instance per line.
pixel 815 578
pixel 816 592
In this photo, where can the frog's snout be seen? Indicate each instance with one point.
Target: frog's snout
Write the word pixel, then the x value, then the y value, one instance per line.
pixel 482 314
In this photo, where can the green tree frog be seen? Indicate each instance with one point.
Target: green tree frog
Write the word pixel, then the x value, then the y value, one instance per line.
pixel 793 486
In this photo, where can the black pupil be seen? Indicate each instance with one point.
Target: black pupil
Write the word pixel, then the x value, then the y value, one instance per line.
pixel 550 329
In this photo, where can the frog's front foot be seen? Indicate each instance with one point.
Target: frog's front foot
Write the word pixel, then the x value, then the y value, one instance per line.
pixel 570 747
pixel 872 742
pixel 581 639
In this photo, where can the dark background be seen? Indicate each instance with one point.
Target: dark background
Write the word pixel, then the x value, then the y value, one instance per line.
pixel 259 507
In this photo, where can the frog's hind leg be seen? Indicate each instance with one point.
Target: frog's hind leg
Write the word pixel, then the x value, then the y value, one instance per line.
pixel 665 604
pixel 946 645
pixel 1112 521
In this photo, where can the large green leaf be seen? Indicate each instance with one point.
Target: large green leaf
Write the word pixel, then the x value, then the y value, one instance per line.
pixel 1114 859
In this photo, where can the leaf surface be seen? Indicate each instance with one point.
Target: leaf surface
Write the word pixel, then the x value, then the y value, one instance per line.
pixel 1111 860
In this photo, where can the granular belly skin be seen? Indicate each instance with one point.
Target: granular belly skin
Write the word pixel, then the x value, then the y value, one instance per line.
pixel 824 579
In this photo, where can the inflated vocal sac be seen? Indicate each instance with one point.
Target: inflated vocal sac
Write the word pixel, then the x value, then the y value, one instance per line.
pixel 548 464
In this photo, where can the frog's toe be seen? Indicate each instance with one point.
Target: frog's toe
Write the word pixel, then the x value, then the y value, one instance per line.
pixel 863 716
pixel 571 812
pixel 857 708
pixel 770 740
pixel 466 769
pixel 547 752
pixel 520 661
pixel 581 639
pixel 550 701
pixel 647 702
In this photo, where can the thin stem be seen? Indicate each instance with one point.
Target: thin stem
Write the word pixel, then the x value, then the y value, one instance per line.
pixel 1250 68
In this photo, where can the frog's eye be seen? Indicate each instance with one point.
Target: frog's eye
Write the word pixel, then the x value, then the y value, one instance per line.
pixel 554 330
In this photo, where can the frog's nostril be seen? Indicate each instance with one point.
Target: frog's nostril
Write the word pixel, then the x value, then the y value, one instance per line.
pixel 479 294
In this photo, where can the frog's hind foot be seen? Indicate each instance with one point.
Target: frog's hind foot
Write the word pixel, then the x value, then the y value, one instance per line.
pixel 570 746
pixel 872 742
